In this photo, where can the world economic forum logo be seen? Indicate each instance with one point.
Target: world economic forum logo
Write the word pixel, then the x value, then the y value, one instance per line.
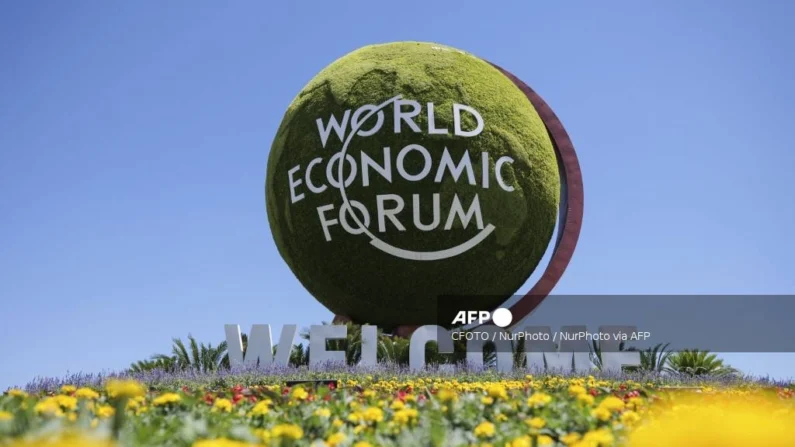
pixel 389 207
pixel 406 172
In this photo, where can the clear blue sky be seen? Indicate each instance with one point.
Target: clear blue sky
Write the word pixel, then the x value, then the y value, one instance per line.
pixel 134 138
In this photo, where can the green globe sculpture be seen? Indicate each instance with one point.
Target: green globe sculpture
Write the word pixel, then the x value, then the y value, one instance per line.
pixel 409 173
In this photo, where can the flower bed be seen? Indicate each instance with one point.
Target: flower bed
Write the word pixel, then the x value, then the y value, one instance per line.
pixel 397 409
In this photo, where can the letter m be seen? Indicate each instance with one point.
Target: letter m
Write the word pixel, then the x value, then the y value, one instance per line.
pixel 458 210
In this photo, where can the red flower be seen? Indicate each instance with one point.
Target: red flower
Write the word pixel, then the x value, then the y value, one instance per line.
pixel 237 389
pixel 236 398
pixel 594 392
pixel 332 387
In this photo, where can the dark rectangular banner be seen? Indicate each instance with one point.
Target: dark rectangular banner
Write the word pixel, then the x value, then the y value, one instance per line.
pixel 719 323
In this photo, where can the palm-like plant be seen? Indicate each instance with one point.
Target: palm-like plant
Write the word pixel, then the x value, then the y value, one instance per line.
pixel 299 356
pixel 596 353
pixel 654 358
pixel 196 356
pixel 165 364
pixel 393 349
pixel 696 362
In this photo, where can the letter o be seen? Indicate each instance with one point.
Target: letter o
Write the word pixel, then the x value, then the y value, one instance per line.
pixel 402 169
pixel 346 208
pixel 330 170
pixel 358 113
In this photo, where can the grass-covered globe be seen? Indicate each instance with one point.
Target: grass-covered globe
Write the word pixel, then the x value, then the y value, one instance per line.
pixel 450 185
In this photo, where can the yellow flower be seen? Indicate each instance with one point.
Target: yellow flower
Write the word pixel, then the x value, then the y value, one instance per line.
pixel 261 408
pixel 362 444
pixel 6 416
pixel 124 388
pixel 635 403
pixel 67 389
pixel 727 422
pixel 263 435
pixel 135 403
pixel 65 440
pixel 485 430
pixel 355 417
pixel 397 405
pixel 16 392
pixel 630 418
pixel 601 413
pixel 447 395
pixel 373 414
pixel 487 400
pixel 523 441
pixel 166 398
pixel 497 391
pixel 545 440
pixel 86 393
pixel 220 442
pixel 538 400
pixel 65 402
pixel 222 405
pixel 337 423
pixel 406 416
pixel 105 411
pixel 299 393
pixel 336 438
pixel 322 412
pixel 287 431
pixel 586 399
pixel 536 422
pixel 48 407
pixel 570 438
pixel 612 403
pixel 576 390
pixel 603 437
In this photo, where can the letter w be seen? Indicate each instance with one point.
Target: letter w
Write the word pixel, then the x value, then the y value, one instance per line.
pixel 259 349
pixel 339 128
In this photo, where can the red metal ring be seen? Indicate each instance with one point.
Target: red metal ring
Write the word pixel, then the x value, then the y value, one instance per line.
pixel 572 203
